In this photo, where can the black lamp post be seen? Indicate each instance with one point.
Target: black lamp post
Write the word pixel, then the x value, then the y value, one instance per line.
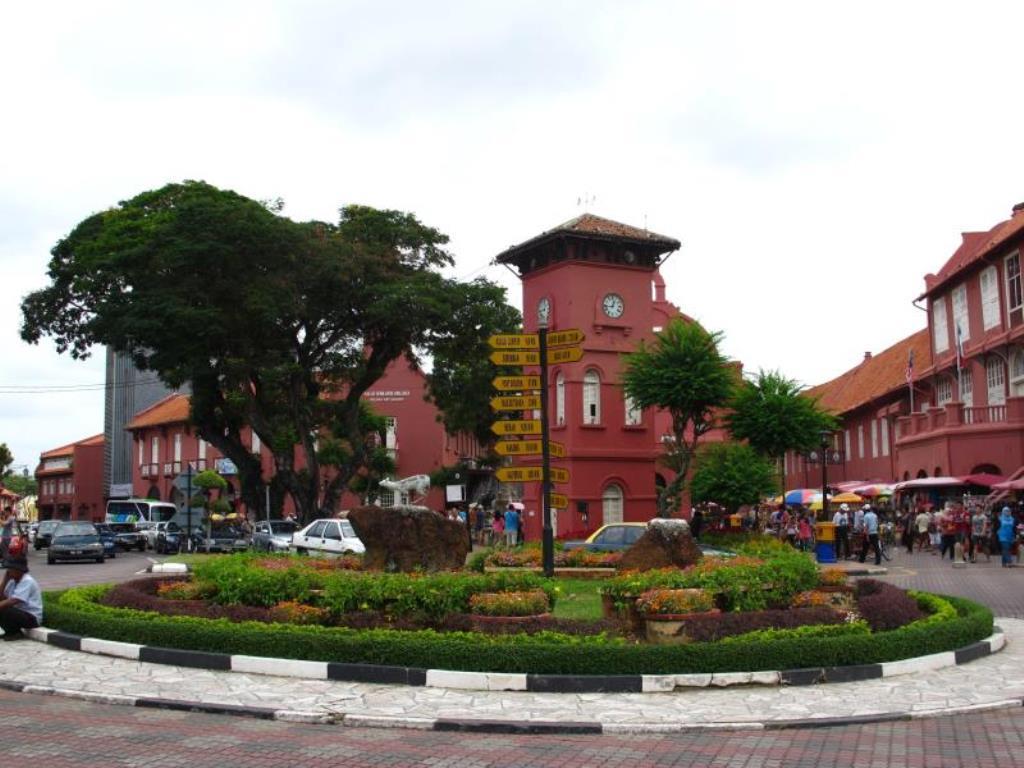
pixel 825 435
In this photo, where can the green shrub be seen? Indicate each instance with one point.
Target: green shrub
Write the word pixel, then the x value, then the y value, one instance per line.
pixel 76 611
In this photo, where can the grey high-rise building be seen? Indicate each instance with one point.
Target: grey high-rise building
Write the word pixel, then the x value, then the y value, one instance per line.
pixel 128 391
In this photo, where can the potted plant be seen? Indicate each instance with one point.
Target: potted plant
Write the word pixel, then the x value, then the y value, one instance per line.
pixel 666 612
pixel 489 608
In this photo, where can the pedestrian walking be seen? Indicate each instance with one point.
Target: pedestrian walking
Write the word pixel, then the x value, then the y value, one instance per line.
pixel 7 531
pixel 1007 533
pixel 921 522
pixel 497 527
pixel 907 525
pixel 841 520
pixel 511 526
pixel 947 531
pixel 979 535
pixel 870 531
pixel 803 532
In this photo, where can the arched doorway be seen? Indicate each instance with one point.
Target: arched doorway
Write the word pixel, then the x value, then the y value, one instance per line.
pixel 153 493
pixel 938 472
pixel 611 505
pixel 906 476
pixel 921 473
pixel 986 469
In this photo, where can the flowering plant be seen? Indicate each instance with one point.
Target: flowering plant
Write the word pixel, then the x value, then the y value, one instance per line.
pixel 514 558
pixel 290 612
pixel 182 590
pixel 832 577
pixel 529 603
pixel 659 602
pixel 811 598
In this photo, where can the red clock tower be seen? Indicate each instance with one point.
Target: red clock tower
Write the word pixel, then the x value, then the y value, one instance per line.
pixel 601 277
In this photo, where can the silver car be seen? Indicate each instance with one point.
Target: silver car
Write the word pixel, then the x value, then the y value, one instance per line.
pixel 273 535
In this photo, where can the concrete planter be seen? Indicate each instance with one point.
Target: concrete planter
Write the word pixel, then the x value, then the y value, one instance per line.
pixel 480 623
pixel 664 629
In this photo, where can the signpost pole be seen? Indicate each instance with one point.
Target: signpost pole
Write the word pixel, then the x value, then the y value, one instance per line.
pixel 188 500
pixel 548 546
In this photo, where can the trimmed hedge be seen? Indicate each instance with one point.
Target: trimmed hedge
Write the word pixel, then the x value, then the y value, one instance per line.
pixel 956 623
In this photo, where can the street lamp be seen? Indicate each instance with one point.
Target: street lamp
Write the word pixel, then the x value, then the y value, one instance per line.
pixel 826 434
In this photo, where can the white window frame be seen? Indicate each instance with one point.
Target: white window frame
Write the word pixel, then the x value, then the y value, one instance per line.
pixel 591 397
pixel 961 317
pixel 995 378
pixel 255 444
pixel 1017 372
pixel 612 504
pixel 988 283
pixel 560 398
pixel 154 450
pixel 142 451
pixel 1011 265
pixel 943 391
pixel 634 416
pixel 860 441
pixel 874 438
pixel 967 388
pixel 201 449
pixel 391 434
pixel 885 435
pixel 940 325
pixel 177 447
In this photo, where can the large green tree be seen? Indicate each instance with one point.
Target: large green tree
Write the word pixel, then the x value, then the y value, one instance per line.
pixel 683 372
pixel 273 323
pixel 6 459
pixel 731 474
pixel 773 415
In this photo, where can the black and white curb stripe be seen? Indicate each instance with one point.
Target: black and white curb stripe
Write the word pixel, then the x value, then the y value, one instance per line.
pixel 504 682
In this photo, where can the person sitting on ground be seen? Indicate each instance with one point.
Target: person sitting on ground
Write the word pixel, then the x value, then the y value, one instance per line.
pixel 22 603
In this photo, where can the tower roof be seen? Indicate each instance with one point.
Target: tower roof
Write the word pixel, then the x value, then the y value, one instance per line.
pixel 591 227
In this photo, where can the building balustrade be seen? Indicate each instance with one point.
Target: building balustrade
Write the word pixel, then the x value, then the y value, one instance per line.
pixel 957 416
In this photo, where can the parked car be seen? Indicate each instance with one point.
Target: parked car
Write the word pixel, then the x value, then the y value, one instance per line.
pixel 330 537
pixel 221 539
pixel 169 539
pixel 151 531
pixel 273 535
pixel 128 536
pixel 618 536
pixel 75 541
pixel 108 538
pixel 44 533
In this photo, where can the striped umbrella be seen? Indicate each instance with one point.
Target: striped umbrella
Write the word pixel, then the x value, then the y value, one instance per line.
pixel 802 495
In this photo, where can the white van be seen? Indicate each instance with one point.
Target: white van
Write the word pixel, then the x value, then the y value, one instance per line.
pixel 139 510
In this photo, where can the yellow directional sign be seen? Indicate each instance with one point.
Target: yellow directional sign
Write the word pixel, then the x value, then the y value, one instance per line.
pixel 530 427
pixel 530 474
pixel 515 357
pixel 515 403
pixel 516 383
pixel 527 448
pixel 558 501
pixel 562 338
pixel 514 341
pixel 565 355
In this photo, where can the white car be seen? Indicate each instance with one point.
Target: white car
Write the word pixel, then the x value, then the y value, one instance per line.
pixel 328 537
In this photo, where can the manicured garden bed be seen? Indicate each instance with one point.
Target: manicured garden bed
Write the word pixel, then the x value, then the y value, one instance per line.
pixel 769 608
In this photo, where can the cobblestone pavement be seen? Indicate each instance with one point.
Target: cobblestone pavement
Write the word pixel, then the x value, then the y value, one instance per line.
pixel 50 732
pixel 1001 589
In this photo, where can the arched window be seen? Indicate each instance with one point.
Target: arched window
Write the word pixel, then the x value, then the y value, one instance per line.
pixel 1017 372
pixel 921 473
pixel 611 505
pixel 591 397
pixel 995 374
pixel 634 414
pixel 560 398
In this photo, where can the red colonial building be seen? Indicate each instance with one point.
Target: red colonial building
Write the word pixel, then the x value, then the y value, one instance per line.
pixel 70 480
pixel 601 277
pixel 165 444
pixel 968 414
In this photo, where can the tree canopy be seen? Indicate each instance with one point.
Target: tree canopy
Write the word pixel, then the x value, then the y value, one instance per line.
pixel 6 460
pixel 276 324
pixel 774 416
pixel 731 474
pixel 684 373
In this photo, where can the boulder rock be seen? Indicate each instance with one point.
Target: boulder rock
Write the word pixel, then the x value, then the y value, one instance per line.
pixel 667 543
pixel 409 539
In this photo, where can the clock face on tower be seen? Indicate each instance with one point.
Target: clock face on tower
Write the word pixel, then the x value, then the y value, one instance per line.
pixel 544 309
pixel 613 305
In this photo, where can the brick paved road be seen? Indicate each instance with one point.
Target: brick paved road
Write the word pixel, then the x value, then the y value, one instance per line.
pixel 51 732
pixel 1001 589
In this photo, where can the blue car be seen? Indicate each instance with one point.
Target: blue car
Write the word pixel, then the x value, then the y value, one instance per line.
pixel 108 537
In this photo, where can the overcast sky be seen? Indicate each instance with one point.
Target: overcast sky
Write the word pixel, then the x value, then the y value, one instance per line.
pixel 815 159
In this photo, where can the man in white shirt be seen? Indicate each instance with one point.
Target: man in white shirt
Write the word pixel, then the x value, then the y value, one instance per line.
pixel 841 519
pixel 22 603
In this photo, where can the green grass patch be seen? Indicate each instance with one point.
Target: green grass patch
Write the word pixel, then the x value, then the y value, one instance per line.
pixel 578 599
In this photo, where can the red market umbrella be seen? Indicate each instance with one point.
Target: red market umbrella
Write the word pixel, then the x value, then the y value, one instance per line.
pixel 986 479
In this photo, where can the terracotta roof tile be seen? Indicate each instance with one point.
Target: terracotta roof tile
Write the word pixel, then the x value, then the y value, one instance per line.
pixel 875 377
pixel 173 409
pixel 67 450
pixel 589 224
pixel 974 247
